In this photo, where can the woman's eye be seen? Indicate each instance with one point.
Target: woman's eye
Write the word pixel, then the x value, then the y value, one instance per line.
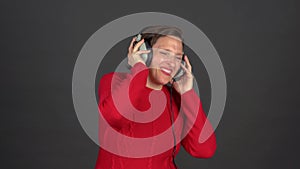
pixel 163 53
pixel 178 59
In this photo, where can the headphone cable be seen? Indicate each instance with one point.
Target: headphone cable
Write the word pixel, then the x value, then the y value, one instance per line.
pixel 172 121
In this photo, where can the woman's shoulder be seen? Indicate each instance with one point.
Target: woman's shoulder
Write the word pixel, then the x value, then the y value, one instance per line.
pixel 115 75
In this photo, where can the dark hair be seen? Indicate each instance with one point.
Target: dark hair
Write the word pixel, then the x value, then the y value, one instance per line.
pixel 153 33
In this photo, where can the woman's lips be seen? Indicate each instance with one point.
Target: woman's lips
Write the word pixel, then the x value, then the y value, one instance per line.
pixel 166 71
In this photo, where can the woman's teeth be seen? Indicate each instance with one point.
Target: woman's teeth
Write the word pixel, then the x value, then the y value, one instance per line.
pixel 167 71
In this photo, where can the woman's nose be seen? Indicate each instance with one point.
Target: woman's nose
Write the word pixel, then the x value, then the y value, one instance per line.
pixel 171 61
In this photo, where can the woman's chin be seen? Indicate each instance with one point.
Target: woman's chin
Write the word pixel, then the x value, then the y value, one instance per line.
pixel 161 78
pixel 165 81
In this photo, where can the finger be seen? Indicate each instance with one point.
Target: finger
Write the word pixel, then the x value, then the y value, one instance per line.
pixel 188 63
pixel 187 70
pixel 136 47
pixel 184 67
pixel 188 73
pixel 142 51
pixel 177 86
pixel 131 44
pixel 172 81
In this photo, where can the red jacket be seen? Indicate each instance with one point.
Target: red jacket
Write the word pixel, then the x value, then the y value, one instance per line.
pixel 113 97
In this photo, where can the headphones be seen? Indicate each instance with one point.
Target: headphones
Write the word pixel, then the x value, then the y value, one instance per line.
pixel 147 57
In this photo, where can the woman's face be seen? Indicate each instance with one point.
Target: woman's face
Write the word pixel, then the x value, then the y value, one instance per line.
pixel 167 56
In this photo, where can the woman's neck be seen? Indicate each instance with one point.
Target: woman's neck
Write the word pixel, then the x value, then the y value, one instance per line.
pixel 150 84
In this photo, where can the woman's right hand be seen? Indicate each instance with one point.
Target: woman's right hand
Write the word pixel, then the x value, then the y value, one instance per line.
pixel 134 54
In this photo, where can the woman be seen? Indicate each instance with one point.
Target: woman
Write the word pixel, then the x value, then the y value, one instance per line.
pixel 125 101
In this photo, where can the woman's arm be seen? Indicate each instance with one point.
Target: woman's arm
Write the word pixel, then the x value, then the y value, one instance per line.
pixel 116 88
pixel 193 112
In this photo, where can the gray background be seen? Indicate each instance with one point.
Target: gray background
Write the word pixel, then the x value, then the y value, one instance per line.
pixel 258 43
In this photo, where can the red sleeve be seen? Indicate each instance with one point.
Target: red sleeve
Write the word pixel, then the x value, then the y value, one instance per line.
pixel 114 90
pixel 192 108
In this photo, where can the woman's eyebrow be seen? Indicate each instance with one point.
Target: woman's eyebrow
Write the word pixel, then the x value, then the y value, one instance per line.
pixel 181 53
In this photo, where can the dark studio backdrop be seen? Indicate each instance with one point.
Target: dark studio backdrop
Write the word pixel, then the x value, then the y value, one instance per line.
pixel 258 44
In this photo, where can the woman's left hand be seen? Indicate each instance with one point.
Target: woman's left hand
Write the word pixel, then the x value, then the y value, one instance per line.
pixel 185 83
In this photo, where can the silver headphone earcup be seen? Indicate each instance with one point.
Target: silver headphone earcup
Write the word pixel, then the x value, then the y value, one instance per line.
pixel 179 73
pixel 149 58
